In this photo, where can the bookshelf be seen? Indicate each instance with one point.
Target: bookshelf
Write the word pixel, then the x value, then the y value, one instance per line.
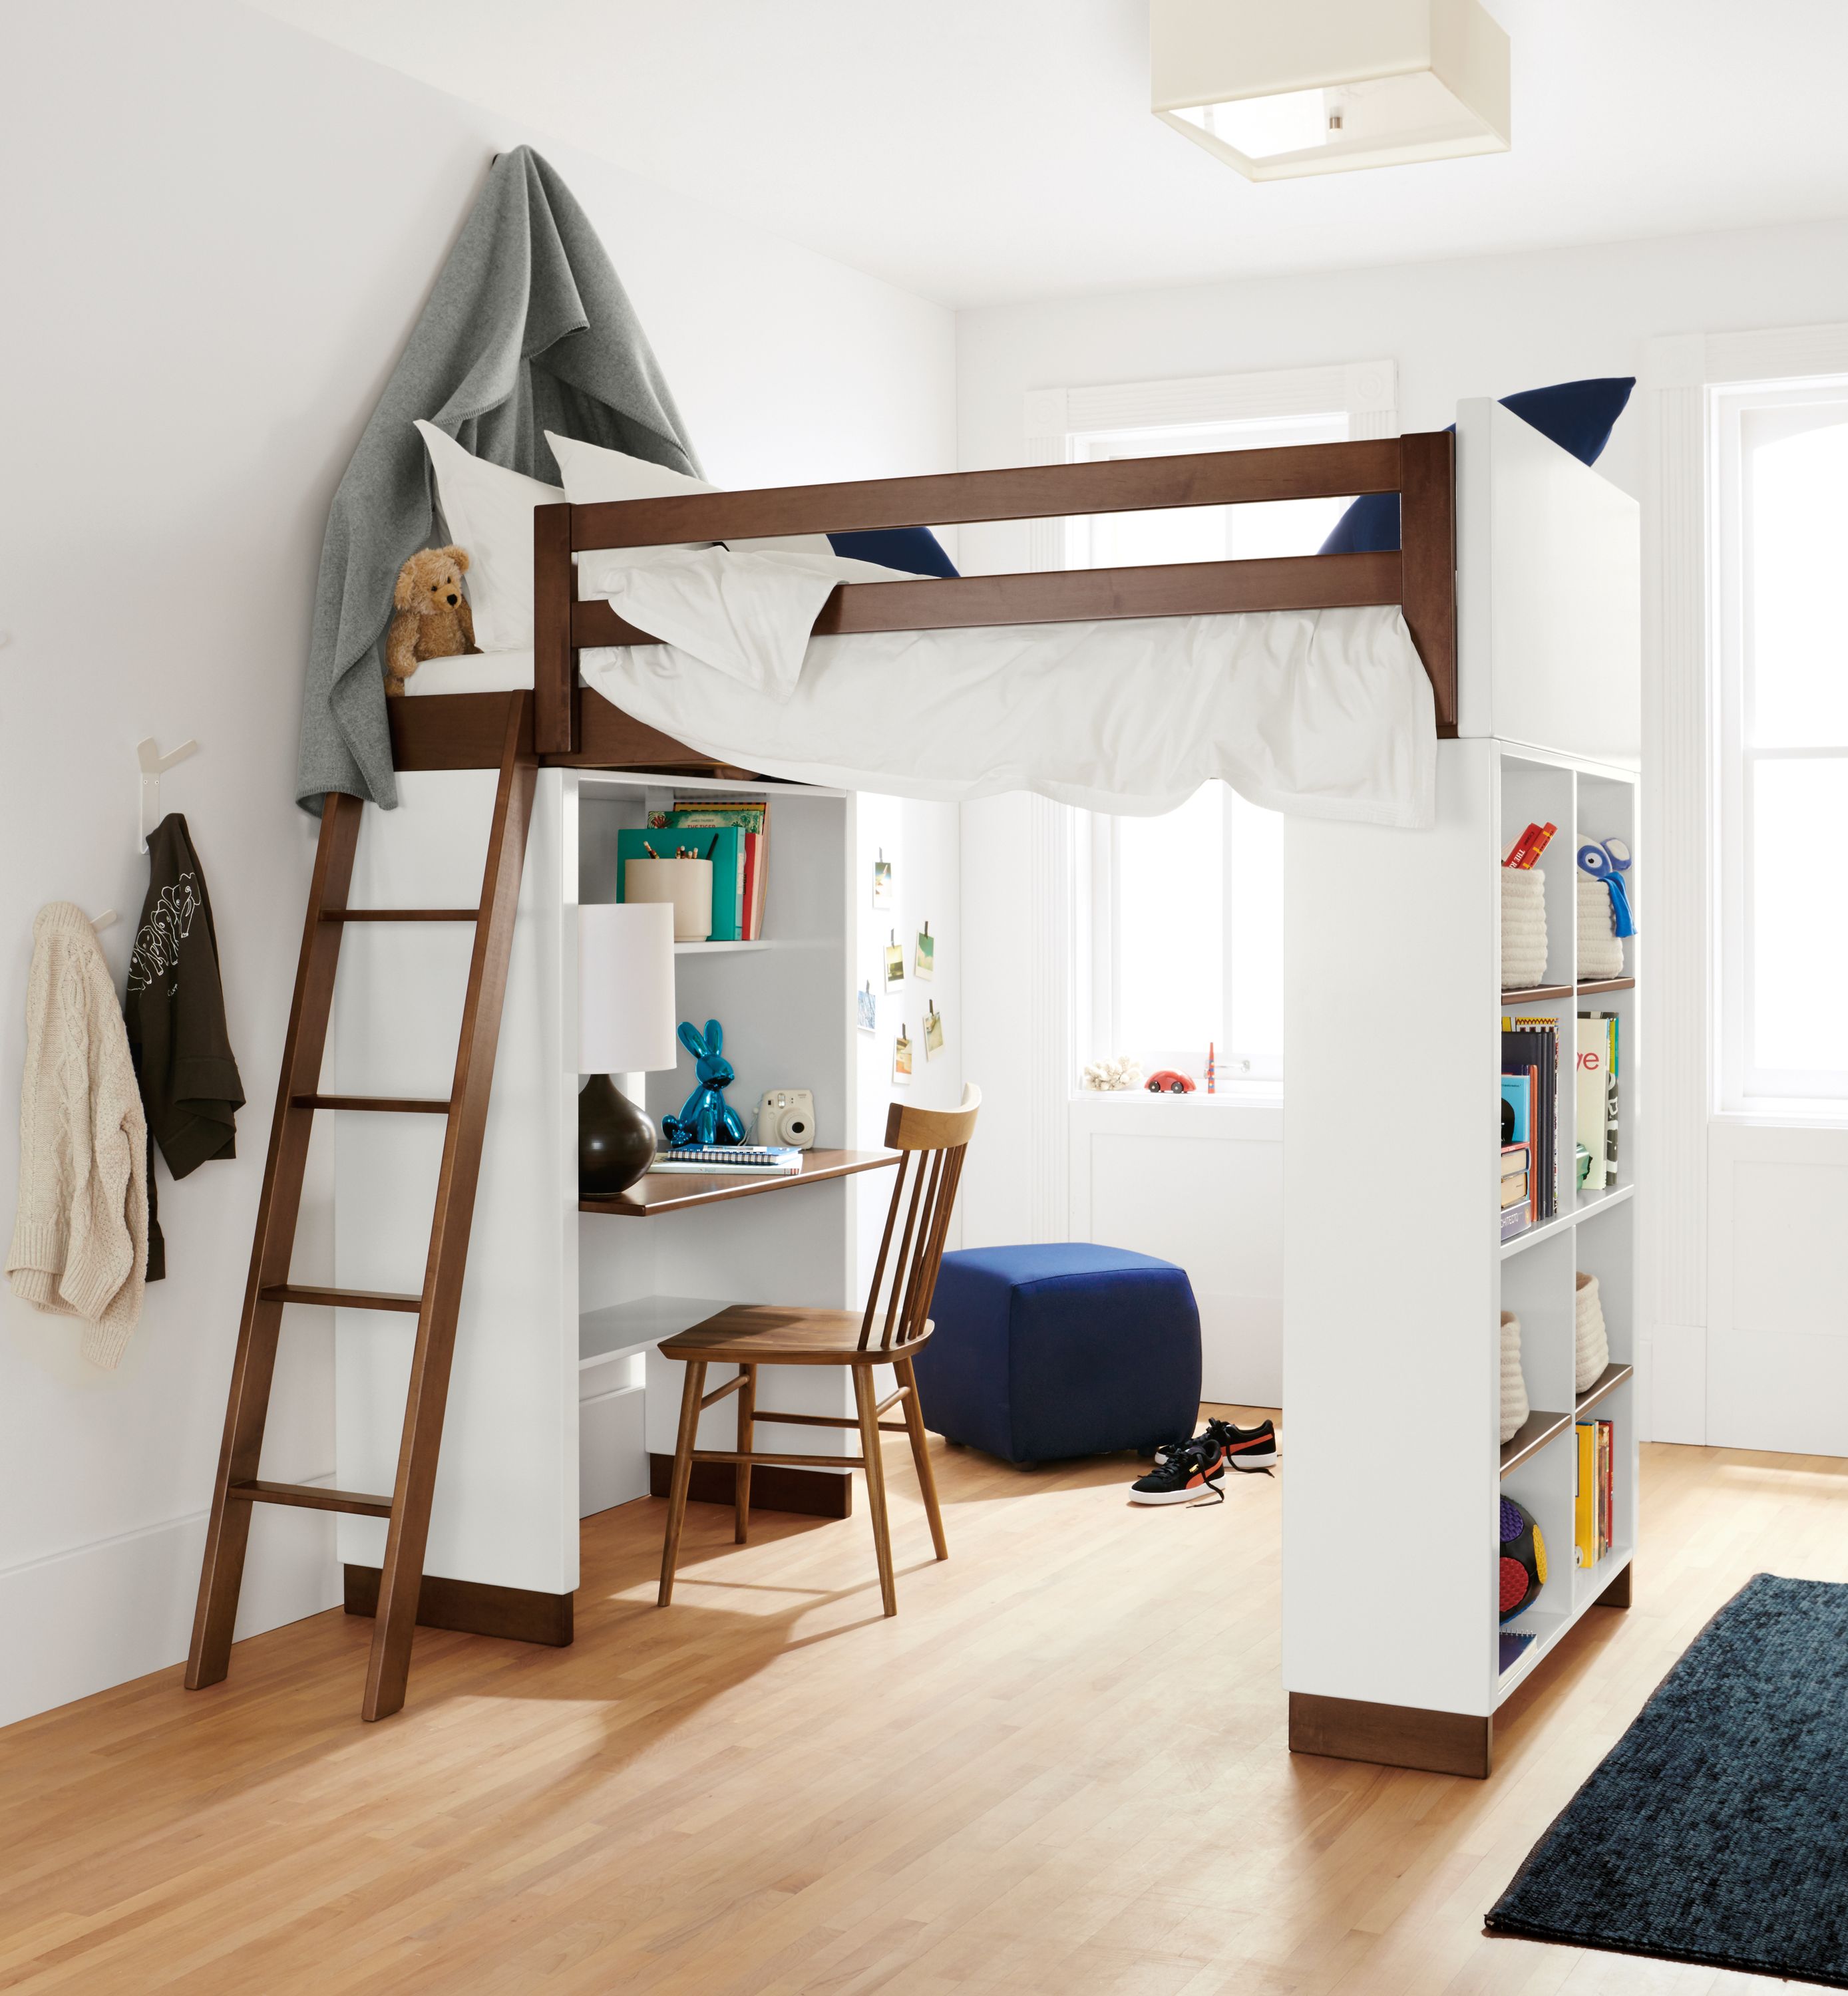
pixel 1395 1275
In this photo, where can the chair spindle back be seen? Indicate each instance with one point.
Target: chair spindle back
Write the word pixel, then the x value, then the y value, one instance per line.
pixel 932 1142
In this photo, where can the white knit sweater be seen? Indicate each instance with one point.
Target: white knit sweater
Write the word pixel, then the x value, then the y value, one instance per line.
pixel 79 1241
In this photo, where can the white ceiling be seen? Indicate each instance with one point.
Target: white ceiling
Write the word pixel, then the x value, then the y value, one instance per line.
pixel 979 151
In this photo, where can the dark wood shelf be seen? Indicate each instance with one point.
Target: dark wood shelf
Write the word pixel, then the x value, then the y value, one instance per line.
pixel 1531 1436
pixel 1607 1382
pixel 1541 994
pixel 671 1191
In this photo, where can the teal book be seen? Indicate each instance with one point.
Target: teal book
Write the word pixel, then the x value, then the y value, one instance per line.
pixel 722 845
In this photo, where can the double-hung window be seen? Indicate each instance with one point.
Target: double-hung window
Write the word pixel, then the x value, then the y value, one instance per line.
pixel 1781 546
pixel 1180 917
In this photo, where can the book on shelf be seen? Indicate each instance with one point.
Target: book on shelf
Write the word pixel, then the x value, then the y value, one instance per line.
pixel 751 818
pixel 1530 1047
pixel 1512 1642
pixel 1594 1510
pixel 1516 1160
pixel 1595 1095
pixel 759 1159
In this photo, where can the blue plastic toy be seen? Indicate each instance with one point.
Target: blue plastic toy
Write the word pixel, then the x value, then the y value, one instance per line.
pixel 1608 860
pixel 705 1117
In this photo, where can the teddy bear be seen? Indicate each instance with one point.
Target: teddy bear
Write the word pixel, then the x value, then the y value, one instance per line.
pixel 433 619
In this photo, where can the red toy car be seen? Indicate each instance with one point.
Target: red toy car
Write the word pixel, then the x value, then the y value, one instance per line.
pixel 1166 1082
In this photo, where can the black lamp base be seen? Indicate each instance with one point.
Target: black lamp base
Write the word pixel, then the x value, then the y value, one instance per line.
pixel 615 1140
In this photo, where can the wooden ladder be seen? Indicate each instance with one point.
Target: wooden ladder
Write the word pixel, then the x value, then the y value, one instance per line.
pixel 437 1304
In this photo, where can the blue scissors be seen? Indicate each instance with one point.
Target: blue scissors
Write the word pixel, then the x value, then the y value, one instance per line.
pixel 1608 860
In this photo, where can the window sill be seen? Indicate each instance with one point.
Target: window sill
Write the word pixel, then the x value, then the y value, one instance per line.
pixel 1775 1114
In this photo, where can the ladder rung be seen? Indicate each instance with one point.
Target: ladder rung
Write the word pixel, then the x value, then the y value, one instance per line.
pixel 384 1105
pixel 401 914
pixel 298 1292
pixel 312 1497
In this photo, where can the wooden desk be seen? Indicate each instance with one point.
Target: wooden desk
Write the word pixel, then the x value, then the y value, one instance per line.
pixel 673 1191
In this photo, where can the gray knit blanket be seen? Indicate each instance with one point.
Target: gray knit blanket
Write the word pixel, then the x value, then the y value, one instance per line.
pixel 527 329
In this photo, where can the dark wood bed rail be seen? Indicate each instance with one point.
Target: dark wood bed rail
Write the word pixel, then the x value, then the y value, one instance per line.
pixel 1420 577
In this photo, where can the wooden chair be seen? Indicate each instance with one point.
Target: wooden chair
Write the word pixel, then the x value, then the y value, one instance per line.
pixel 932 1142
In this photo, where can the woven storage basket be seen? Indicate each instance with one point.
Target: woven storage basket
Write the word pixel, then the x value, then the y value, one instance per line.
pixel 1514 1386
pixel 1600 948
pixel 1523 927
pixel 1592 1348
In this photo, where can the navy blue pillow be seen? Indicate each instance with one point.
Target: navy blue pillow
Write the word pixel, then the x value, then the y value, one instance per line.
pixel 915 549
pixel 1578 416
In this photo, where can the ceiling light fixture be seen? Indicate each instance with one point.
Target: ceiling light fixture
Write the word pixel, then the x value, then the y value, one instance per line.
pixel 1279 88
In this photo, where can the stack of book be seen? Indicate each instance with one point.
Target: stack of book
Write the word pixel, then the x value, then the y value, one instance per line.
pixel 1517 1189
pixel 1597 1097
pixel 1592 1516
pixel 750 819
pixel 743 1158
pixel 1529 1095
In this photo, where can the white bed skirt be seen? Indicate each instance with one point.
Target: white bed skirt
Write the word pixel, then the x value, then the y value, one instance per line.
pixel 1325 713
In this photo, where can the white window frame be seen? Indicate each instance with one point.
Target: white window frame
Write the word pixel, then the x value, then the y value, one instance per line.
pixel 1742 1086
pixel 1060 423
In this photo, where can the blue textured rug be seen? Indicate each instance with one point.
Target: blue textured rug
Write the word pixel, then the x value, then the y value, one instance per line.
pixel 1716 1830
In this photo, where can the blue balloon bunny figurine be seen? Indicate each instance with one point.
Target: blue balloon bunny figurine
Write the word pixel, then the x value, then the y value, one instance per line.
pixel 707 1117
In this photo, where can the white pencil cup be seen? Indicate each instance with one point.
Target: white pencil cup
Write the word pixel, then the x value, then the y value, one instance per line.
pixel 1524 928
pixel 1591 1343
pixel 1600 946
pixel 686 882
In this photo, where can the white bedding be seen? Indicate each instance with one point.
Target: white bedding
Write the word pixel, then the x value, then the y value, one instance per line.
pixel 1325 713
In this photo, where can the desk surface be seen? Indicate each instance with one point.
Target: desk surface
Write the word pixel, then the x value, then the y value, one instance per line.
pixel 671 1191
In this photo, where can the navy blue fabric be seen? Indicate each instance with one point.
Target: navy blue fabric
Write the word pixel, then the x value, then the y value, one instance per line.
pixel 1713 1831
pixel 1578 416
pixel 915 549
pixel 1061 1349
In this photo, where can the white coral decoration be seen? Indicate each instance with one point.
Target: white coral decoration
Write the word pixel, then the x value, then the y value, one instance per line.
pixel 1120 1072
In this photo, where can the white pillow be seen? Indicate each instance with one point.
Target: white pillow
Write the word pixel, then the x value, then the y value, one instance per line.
pixel 595 477
pixel 489 512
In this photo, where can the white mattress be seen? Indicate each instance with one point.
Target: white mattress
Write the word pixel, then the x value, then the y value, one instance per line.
pixel 479 672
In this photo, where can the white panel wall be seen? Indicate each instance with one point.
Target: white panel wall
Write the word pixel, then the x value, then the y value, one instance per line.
pixel 1199 1183
pixel 506 1502
pixel 220 233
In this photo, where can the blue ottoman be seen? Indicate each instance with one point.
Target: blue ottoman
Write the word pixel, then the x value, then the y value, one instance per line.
pixel 1061 1349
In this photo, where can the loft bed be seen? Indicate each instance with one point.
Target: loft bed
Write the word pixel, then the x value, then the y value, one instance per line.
pixel 574 726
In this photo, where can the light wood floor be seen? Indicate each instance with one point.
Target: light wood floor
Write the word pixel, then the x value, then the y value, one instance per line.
pixel 1060 1769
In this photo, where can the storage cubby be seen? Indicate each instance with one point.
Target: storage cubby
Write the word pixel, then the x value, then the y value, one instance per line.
pixel 1594 1231
pixel 1419 1285
pixel 1540 792
pixel 786 1003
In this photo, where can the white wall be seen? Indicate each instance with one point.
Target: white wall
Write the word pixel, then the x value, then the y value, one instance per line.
pixel 1486 326
pixel 217 234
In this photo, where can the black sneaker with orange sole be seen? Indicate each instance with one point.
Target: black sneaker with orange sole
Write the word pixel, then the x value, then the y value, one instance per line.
pixel 1185 1473
pixel 1242 1449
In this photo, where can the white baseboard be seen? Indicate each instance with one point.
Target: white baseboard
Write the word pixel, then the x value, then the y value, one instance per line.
pixel 81 1621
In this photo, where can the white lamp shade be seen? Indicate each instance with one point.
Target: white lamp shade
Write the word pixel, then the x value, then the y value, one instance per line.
pixel 625 988
pixel 1279 88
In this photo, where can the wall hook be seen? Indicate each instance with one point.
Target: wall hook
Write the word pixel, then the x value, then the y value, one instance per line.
pixel 154 766
pixel 107 920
